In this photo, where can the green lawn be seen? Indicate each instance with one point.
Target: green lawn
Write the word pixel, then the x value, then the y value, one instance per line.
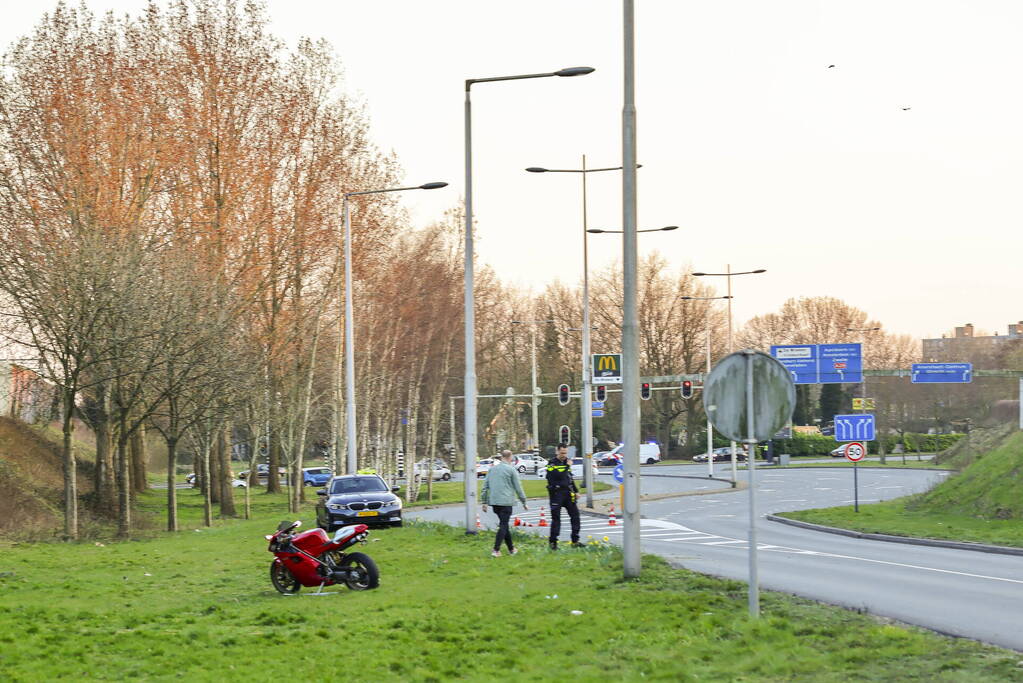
pixel 893 517
pixel 198 606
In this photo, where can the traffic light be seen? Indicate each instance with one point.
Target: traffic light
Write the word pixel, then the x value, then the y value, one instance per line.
pixel 564 435
pixel 563 394
pixel 644 391
pixel 687 389
pixel 601 393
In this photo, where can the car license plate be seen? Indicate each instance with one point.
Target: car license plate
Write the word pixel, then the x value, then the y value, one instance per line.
pixel 368 513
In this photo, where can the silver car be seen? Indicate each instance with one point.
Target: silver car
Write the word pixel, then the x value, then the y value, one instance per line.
pixel 528 462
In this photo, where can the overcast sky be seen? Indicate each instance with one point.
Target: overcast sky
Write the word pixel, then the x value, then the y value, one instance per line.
pixel 892 180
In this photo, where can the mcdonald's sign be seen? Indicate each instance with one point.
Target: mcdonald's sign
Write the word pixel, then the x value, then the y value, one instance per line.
pixel 606 368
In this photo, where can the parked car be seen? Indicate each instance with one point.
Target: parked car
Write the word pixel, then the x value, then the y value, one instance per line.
pixel 528 462
pixel 483 466
pixel 315 476
pixel 439 470
pixel 605 459
pixel 357 499
pixel 723 454
pixel 649 453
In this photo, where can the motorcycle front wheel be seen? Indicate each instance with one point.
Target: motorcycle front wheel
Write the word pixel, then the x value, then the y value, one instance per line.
pixel 363 573
pixel 282 579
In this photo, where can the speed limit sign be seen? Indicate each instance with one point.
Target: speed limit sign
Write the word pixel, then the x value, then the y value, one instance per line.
pixel 855 451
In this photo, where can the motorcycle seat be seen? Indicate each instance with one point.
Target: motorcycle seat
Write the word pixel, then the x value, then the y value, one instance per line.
pixel 344 533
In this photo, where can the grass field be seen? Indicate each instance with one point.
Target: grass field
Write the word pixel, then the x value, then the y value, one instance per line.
pixel 198 606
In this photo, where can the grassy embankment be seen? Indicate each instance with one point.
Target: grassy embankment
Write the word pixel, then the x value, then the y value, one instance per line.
pixel 199 606
pixel 981 504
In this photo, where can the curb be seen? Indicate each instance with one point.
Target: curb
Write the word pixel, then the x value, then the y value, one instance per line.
pixel 907 540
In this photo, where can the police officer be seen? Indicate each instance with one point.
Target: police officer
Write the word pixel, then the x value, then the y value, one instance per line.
pixel 562 491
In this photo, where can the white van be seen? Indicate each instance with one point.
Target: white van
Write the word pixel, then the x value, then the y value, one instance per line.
pixel 649 453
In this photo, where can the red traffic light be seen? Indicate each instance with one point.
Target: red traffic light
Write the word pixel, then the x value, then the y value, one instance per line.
pixel 644 391
pixel 601 392
pixel 564 435
pixel 687 389
pixel 563 394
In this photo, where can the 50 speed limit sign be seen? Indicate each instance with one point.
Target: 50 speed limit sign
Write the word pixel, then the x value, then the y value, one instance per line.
pixel 855 451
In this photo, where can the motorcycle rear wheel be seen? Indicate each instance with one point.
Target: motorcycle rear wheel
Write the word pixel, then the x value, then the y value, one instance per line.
pixel 363 573
pixel 282 579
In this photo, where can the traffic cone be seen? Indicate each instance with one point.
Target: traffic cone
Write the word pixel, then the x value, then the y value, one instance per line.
pixel 611 520
pixel 478 525
pixel 543 521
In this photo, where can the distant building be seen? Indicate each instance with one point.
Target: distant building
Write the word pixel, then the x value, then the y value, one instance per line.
pixel 964 346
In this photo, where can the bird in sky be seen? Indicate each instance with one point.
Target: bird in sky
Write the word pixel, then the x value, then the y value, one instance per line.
pixel 906 108
pixel 831 66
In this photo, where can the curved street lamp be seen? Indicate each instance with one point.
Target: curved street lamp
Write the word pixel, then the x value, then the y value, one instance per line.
pixel 470 315
pixel 351 464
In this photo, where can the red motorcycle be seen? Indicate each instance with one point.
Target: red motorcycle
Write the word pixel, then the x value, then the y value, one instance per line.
pixel 311 558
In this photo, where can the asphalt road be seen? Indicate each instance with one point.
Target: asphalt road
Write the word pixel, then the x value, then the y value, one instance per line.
pixel 959 592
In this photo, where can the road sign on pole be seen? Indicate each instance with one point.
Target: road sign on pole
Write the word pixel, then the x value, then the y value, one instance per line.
pixel 597 413
pixel 606 368
pixel 749 396
pixel 821 363
pixel 858 427
pixel 854 451
pixel 942 373
pixel 863 404
pixel 839 363
pixel 619 474
pixel 800 360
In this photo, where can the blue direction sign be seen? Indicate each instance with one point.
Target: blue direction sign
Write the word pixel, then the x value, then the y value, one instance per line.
pixel 597 413
pixel 858 427
pixel 597 405
pixel 839 363
pixel 800 360
pixel 821 363
pixel 935 373
pixel 619 474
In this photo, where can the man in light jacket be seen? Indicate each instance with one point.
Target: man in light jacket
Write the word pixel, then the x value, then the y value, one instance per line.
pixel 500 489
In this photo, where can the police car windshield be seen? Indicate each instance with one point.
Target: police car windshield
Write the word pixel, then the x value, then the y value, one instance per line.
pixel 357 485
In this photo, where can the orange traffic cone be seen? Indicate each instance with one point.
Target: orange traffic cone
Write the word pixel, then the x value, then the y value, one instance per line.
pixel 611 521
pixel 543 521
pixel 478 525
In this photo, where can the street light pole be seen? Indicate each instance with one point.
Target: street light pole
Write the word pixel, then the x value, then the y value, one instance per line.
pixel 710 426
pixel 729 274
pixel 534 400
pixel 469 389
pixel 630 321
pixel 351 464
pixel 585 408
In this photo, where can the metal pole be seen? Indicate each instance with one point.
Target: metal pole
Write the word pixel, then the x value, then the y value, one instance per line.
pixel 856 486
pixel 751 468
pixel 630 322
pixel 470 334
pixel 350 434
pixel 535 390
pixel 585 406
pixel 710 426
pixel 1020 396
pixel 728 278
